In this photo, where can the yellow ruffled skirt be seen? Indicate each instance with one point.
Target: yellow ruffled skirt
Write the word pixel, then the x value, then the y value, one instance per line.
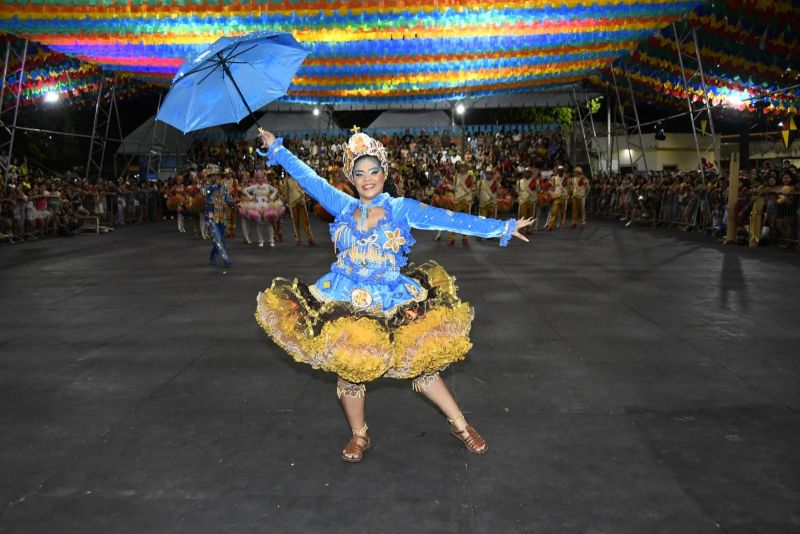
pixel 419 338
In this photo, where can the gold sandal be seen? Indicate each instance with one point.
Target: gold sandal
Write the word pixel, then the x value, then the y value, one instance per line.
pixel 473 442
pixel 354 448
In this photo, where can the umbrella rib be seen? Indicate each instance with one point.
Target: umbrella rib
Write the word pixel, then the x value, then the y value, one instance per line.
pixel 213 67
pixel 202 68
pixel 232 55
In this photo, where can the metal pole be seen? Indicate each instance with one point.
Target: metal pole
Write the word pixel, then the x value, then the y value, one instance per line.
pixel 621 111
pixel 689 102
pixel 463 137
pixel 108 124
pixel 583 131
pixel 705 98
pixel 636 116
pixel 5 73
pixel 153 139
pixel 16 106
pixel 609 136
pixel 594 130
pixel 94 125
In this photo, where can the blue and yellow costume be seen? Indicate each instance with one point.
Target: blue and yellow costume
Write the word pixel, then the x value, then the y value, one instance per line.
pixel 373 314
pixel 218 204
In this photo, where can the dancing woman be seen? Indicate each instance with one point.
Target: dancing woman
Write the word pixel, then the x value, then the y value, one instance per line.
pixel 373 315
pixel 262 206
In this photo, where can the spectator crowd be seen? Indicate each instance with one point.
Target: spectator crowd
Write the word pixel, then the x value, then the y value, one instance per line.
pixel 499 174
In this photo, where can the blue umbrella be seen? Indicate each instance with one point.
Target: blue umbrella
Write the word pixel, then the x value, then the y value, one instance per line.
pixel 234 76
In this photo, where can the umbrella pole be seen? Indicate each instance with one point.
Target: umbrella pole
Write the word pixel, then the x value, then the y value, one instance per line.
pixel 236 86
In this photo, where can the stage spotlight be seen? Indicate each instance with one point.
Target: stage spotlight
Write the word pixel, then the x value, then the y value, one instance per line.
pixel 460 109
pixel 735 98
pixel 316 112
pixel 660 135
pixel 51 97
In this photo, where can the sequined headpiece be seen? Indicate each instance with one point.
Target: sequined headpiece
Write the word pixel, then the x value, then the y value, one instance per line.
pixel 359 145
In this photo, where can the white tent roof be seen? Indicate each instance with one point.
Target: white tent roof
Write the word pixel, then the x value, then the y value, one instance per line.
pixel 393 120
pixel 141 140
pixel 167 140
pixel 281 123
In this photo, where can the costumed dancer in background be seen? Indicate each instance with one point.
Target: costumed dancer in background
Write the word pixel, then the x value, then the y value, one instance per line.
pixel 218 204
pixel 463 195
pixel 559 184
pixel 248 208
pixel 231 183
pixel 176 200
pixel 526 197
pixel 264 206
pixel 544 195
pixel 296 201
pixel 443 197
pixel 488 187
pixel 195 204
pixel 579 186
pixel 373 315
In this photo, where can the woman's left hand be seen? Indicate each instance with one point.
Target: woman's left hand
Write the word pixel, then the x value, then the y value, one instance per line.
pixel 522 223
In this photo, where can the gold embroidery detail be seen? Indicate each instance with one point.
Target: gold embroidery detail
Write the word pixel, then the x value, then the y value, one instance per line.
pixel 360 297
pixel 393 240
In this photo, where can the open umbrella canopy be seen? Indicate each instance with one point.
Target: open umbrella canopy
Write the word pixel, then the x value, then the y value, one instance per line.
pixel 231 79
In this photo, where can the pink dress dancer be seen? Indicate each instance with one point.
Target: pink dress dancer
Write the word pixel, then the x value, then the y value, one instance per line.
pixel 262 206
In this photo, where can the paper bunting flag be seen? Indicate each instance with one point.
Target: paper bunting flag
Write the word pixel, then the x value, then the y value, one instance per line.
pixel 361 51
pixel 788 132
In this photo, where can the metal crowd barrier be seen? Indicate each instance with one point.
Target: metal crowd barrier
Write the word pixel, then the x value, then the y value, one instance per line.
pixel 705 212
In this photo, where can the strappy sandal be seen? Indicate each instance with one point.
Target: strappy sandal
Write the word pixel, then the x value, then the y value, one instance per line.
pixel 359 444
pixel 473 442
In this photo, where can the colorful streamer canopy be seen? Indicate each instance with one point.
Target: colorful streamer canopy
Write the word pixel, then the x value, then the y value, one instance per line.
pixel 47 71
pixel 360 51
pixel 749 50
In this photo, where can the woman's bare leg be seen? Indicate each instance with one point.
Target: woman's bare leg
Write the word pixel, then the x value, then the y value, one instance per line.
pixel 434 389
pixel 353 399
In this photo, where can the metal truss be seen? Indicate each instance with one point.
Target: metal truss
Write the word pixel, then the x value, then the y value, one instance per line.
pixel 105 112
pixel 13 76
pixel 588 131
pixel 157 145
pixel 696 113
pixel 628 117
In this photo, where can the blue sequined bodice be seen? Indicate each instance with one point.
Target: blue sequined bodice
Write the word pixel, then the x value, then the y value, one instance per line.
pixel 376 254
pixel 366 272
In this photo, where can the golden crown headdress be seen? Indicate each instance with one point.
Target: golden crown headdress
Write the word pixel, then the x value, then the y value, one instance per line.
pixel 359 145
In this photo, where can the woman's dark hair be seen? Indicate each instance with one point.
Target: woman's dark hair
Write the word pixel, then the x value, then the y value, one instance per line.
pixel 390 187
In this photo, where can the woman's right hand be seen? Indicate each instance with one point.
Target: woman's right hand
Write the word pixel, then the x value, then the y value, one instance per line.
pixel 267 138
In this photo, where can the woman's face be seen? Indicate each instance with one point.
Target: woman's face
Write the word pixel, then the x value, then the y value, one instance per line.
pixel 368 177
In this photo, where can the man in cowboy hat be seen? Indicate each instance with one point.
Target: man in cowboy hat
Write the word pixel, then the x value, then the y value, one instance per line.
pixel 231 183
pixel 579 187
pixel 218 206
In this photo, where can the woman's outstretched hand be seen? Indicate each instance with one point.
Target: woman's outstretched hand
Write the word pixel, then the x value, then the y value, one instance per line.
pixel 522 223
pixel 267 138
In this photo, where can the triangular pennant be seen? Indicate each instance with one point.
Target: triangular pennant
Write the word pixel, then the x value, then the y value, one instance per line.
pixel 787 132
pixel 703 124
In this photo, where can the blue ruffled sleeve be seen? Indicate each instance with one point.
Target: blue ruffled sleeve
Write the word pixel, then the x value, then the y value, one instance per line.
pixel 425 217
pixel 333 200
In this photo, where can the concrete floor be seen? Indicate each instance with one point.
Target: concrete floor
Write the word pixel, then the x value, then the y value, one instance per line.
pixel 627 380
